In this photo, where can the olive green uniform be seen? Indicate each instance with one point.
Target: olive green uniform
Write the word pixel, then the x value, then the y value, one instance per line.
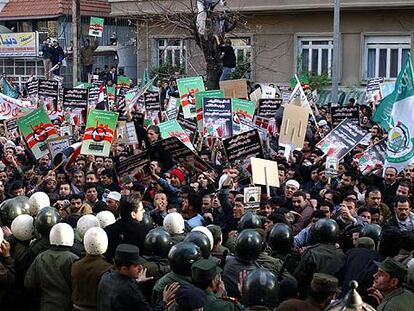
pixel 166 280
pixel 399 299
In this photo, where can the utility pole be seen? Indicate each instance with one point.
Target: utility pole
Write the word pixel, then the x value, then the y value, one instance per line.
pixel 336 44
pixel 75 39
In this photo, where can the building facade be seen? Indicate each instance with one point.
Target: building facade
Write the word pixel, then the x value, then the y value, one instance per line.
pixel 285 37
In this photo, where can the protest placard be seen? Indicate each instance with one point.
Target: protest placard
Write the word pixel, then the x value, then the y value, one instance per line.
pixel 137 164
pixel 373 92
pixel 268 107
pixel 57 145
pixel 32 88
pixel 199 97
pixel 252 196
pixel 331 167
pixel 373 156
pixel 11 128
pixel 234 88
pixel 173 129
pixel 243 146
pixel 294 124
pixel 36 129
pixel 188 87
pixel 152 108
pixel 96 26
pixel 132 138
pixel 268 92
pixel 65 130
pixel 340 113
pixel 341 139
pixel 241 109
pixel 256 95
pixel 75 105
pixel 265 172
pixel 217 117
pixel 48 94
pixel 99 132
pixel 121 132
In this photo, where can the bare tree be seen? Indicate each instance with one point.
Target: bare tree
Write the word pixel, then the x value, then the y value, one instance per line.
pixel 201 25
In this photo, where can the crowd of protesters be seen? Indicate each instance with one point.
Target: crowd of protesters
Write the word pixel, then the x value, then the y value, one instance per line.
pixel 82 237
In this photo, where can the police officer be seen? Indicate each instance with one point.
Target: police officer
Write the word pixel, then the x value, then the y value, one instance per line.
pixel 82 226
pixel 201 240
pixel 50 271
pixel 87 272
pixel 387 287
pixel 249 244
pixel 12 208
pixel 180 257
pixel 174 224
pixel 205 274
pixel 44 221
pixel 260 290
pixel 37 201
pixel 320 258
pixel 218 251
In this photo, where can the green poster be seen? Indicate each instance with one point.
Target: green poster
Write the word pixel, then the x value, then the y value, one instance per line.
pixel 99 132
pixel 110 91
pixel 123 82
pixel 96 27
pixel 173 129
pixel 188 87
pixel 242 109
pixel 36 129
pixel 199 104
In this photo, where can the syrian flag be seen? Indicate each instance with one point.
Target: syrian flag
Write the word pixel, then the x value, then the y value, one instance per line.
pixel 400 142
pixel 67 157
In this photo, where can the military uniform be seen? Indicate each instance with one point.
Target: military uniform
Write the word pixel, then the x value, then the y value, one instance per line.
pixel 214 303
pixel 40 245
pixel 322 258
pixel 271 263
pixel 86 274
pixel 166 280
pixel 156 268
pixel 177 238
pixel 399 299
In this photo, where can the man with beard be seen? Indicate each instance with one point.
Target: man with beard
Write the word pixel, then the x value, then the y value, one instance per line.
pixel 347 183
pixel 78 180
pixel 403 218
pixel 373 198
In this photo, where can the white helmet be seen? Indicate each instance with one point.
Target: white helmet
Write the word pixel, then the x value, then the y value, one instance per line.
pixel 22 227
pixel 206 232
pixel 37 201
pixel 61 234
pixel 105 218
pixel 86 222
pixel 95 241
pixel 410 273
pixel 174 223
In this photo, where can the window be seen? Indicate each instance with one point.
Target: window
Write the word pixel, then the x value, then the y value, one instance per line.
pixel 171 51
pixel 243 50
pixel 384 55
pixel 315 55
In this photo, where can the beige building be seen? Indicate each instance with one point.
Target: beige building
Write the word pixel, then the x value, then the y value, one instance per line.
pixel 284 37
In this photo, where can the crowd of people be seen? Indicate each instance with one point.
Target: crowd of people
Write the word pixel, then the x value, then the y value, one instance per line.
pixel 82 237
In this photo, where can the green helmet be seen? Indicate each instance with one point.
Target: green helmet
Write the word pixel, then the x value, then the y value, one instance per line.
pixel 281 238
pixel 201 240
pixel 249 221
pixel 326 231
pixel 260 289
pixel 249 244
pixel 182 255
pixel 372 231
pixel 46 219
pixel 12 208
pixel 158 243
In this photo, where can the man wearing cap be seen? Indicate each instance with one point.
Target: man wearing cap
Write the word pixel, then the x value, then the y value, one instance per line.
pixel 205 274
pixel 322 290
pixel 290 188
pixel 119 290
pixel 112 202
pixel 189 297
pixel 387 288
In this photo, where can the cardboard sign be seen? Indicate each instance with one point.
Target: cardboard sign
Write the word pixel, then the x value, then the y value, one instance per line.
pixel 234 88
pixel 48 94
pixel 99 132
pixel 265 172
pixel 331 166
pixel 217 117
pixel 243 146
pixel 294 124
pixel 121 132
pixel 199 97
pixel 137 164
pixel 268 107
pixel 96 26
pixel 188 87
pixel 342 139
pixel 256 95
pixel 340 113
pixel 252 196
pixel 268 92
pixel 36 129
pixel 57 145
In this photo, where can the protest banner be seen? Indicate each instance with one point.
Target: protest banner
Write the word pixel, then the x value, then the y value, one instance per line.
pixel 93 96
pixel 187 88
pixel 12 108
pixel 373 92
pixel 110 91
pixel 265 172
pixel 11 128
pixel 199 96
pixel 294 124
pixel 173 129
pixel 57 145
pixel 217 117
pixel 152 108
pixel 32 86
pixel 96 26
pixel 234 88
pixel 340 113
pixel 36 129
pixel 132 138
pixel 99 132
pixel 247 125
pixel 75 105
pixel 243 146
pixel 341 139
pixel 189 125
pixel 48 94
pixel 370 158
pixel 241 109
pixel 267 107
pixel 136 165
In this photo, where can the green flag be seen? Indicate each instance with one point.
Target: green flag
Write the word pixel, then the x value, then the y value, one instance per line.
pixel 382 114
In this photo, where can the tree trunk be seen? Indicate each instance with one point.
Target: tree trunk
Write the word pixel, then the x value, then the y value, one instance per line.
pixel 213 60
